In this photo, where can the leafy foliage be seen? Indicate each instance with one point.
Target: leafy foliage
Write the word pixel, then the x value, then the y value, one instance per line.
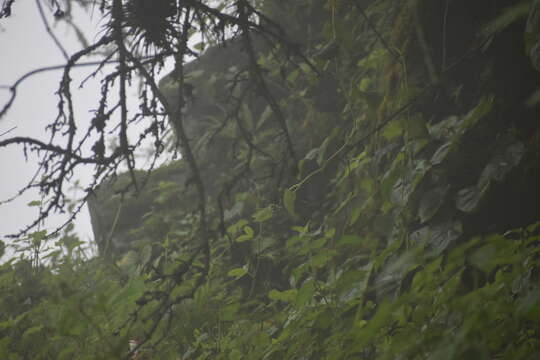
pixel 408 229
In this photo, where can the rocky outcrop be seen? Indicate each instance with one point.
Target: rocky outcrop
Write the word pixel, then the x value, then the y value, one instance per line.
pixel 451 187
pixel 223 109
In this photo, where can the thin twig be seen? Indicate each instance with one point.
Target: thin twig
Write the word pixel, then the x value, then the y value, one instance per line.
pixel 49 30
pixel 445 20
pixel 428 59
pixel 70 64
pixel 8 131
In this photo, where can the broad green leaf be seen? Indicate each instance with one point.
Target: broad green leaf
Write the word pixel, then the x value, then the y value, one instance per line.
pixel 238 272
pixel 305 293
pixel 248 230
pixel 329 233
pixel 431 202
pixel 529 306
pixel 320 260
pixel 285 296
pixel 32 330
pixel 262 244
pixel 352 284
pixel 293 76
pixel 442 153
pixel 264 214
pixel 483 108
pixel 289 198
pixel 502 163
pixel 370 330
pixel 318 243
pixel 244 237
pixel 199 46
pixel 467 199
pixel 233 229
pixel 437 237
pixel 390 180
pixel 348 240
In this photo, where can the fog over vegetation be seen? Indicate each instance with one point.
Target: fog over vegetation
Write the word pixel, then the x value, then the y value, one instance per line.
pixel 263 179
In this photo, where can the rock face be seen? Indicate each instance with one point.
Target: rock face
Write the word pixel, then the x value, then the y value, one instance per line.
pixel 452 187
pixel 221 107
pixel 116 212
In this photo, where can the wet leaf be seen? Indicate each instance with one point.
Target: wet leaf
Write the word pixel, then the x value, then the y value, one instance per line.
pixel 285 296
pixel 431 202
pixel 501 164
pixel 289 198
pixel 529 307
pixel 391 180
pixel 467 199
pixel 441 153
pixel 445 129
pixel 437 237
pixel 305 294
pixel 238 272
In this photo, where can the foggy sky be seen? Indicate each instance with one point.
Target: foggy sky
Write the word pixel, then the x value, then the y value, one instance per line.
pixel 26 46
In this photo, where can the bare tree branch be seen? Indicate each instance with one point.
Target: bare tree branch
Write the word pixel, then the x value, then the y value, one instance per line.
pixel 49 30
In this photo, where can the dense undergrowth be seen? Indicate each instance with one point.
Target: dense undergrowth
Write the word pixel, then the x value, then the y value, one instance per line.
pixel 410 230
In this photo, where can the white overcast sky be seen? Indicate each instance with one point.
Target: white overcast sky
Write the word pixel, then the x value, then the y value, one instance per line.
pixel 25 46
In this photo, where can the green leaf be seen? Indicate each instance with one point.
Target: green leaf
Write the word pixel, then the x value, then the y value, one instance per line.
pixel 248 230
pixel 233 229
pixel 38 235
pixel 264 214
pixel 389 180
pixel 502 163
pixel 199 46
pixel 392 130
pixel 305 294
pixel 437 237
pixel 467 199
pixel 371 329
pixel 348 240
pixel 263 244
pixel 318 243
pixel 528 308
pixel 442 152
pixel 320 260
pixel 289 198
pixel 248 234
pixel 482 109
pixel 238 272
pixel 285 296
pixel 247 116
pixel 34 203
pixel 243 238
pixel 431 202
pixel 32 330
pixel 293 76
pixel 263 117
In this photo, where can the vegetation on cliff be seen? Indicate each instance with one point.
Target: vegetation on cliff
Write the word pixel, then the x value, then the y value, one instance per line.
pixel 367 187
